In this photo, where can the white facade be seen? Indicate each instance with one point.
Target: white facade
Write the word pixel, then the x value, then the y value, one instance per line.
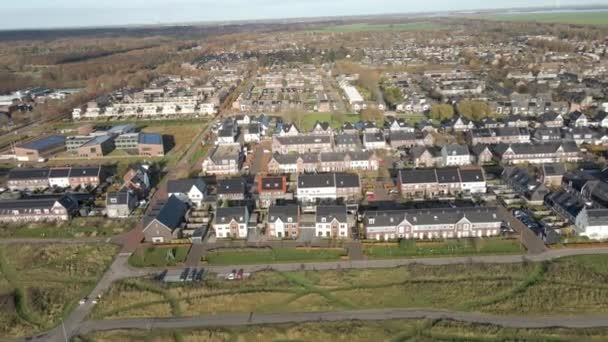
pixel 60 182
pixel 311 194
pixel 223 230
pixel 323 229
pixel 598 229
pixel 193 196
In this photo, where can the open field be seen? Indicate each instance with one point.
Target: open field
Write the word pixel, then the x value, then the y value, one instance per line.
pixel 159 256
pixel 40 284
pixel 443 248
pixel 599 18
pixel 275 255
pixel 566 286
pixel 76 228
pixel 309 119
pixel 367 27
pixel 390 330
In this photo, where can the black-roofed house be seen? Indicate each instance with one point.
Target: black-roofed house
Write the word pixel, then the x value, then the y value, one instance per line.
pixel 551 119
pixel 374 141
pixel 28 179
pixel 231 222
pixel 38 210
pixel 418 183
pixel 120 204
pixel 59 177
pixel 331 221
pixel 322 128
pixel 565 204
pixel 432 223
pixel 231 189
pixel 461 124
pixel 312 187
pixel 595 193
pixel 552 174
pixel 167 224
pixel 425 156
pixel 85 176
pixel 482 154
pixel 546 134
pixel 272 188
pixel 541 153
pixel 455 155
pixel 473 181
pixel 525 184
pixel 346 142
pixel 192 191
pixel 302 143
pixel 283 221
pixel 406 139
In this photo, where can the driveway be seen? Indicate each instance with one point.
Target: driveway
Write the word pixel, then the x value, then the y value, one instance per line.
pixel 531 241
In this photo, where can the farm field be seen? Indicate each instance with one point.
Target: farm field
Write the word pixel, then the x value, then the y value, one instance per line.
pixel 367 27
pixel 40 284
pixel 275 255
pixel 407 249
pixel 358 331
pixel 566 286
pixel 599 18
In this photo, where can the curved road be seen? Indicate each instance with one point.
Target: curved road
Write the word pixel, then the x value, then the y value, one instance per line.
pixel 120 269
pixel 579 321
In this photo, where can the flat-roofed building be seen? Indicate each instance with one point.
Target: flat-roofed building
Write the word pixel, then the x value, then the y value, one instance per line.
pixel 97 147
pixel 151 144
pixel 224 160
pixel 40 148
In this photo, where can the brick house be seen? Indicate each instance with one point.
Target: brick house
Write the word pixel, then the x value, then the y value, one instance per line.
pixel 283 221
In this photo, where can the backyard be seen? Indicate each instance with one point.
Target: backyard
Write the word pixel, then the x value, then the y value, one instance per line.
pixel 410 248
pixel 566 286
pixel 274 255
pixel 40 284
pixel 358 331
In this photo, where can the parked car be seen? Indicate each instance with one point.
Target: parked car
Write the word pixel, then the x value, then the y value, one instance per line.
pixel 239 275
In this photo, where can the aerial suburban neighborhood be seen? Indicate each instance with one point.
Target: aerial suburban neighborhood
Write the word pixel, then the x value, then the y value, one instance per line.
pixel 405 176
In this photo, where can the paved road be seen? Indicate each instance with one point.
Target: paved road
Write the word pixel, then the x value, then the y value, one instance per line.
pixel 579 321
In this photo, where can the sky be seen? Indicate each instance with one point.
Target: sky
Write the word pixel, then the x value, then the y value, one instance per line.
pixel 30 14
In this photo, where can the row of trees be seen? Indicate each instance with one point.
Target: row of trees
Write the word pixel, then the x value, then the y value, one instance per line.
pixel 472 110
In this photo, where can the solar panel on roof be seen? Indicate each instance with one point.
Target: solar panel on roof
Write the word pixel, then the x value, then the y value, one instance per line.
pixel 45 143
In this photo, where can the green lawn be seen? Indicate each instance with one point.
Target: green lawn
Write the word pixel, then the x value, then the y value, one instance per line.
pixel 309 120
pixel 471 246
pixel 158 256
pixel 577 18
pixel 275 255
pixel 366 27
pixel 567 286
pixel 77 227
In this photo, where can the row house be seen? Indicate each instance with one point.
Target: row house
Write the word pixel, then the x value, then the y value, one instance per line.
pixel 425 156
pixel 538 153
pixel 231 222
pixel 551 119
pixel 398 125
pixel 232 189
pixel 348 142
pixel 482 154
pixel 374 141
pixel 321 186
pixel 592 223
pixel 224 160
pixel 504 135
pixel 546 134
pixel 168 223
pixel 461 124
pixel 302 143
pixel 323 162
pixel 192 191
pixel 33 179
pixel 38 210
pixel 283 221
pixel 432 223
pixel 406 139
pixel 525 184
pixel 421 183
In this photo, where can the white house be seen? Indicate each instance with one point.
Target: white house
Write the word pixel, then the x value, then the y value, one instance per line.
pixel 231 222
pixel 332 222
pixel 473 181
pixel 455 155
pixel 59 177
pixel 374 141
pixel 592 223
pixel 191 191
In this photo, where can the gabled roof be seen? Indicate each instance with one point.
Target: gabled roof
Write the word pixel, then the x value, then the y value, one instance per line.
pixel 472 175
pixel 331 212
pixel 271 183
pixel 432 216
pixel 44 143
pixel 448 175
pixel 553 169
pixel 415 176
pixel 85 171
pixel 283 212
pixel 18 174
pixel 225 215
pixel 456 150
pixel 120 197
pixel 231 186
pixel 171 215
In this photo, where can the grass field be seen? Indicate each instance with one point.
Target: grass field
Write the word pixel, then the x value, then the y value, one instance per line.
pixel 39 284
pixel 366 27
pixel 444 248
pixel 158 256
pixel 566 286
pixel 599 18
pixel 358 331
pixel 310 119
pixel 275 255
pixel 77 227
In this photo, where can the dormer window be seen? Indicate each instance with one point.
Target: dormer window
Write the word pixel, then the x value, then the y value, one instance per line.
pixel 323 219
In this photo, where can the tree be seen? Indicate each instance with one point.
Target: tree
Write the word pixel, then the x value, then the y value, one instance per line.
pixel 474 110
pixel 372 114
pixel 441 112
